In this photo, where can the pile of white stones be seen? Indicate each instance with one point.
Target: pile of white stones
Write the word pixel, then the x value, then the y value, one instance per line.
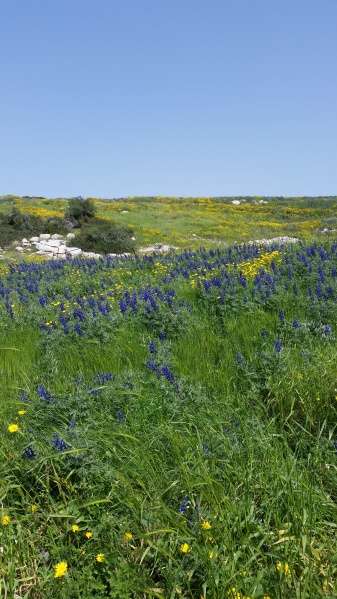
pixel 55 247
pixel 157 247
pixel 284 239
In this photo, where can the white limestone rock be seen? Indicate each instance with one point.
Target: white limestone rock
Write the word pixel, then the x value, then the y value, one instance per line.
pixel 34 239
pixel 71 236
pixel 56 236
pixel 74 252
pixel 44 236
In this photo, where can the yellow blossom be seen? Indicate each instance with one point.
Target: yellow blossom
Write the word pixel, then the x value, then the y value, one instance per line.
pixel 88 534
pixel 5 520
pixel 100 557
pixel 13 428
pixel 128 536
pixel 60 569
pixel 206 525
pixel 74 528
pixel 283 567
pixel 33 508
pixel 21 412
pixel 185 548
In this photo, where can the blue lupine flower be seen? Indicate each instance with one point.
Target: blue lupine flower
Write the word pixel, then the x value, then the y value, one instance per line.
pixel 43 393
pixel 23 397
pixel 78 329
pixel 152 366
pixel 204 448
pixel 166 372
pixel 184 506
pixel 239 359
pixel 236 422
pixel 264 333
pixel 93 390
pixel 59 443
pixel 277 346
pixel 327 330
pixel 123 306
pixel 120 417
pixel 296 324
pixel 29 452
pixel 152 348
pixel 162 335
pixel 281 316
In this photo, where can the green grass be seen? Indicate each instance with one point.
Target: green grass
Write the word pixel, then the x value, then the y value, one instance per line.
pixel 247 448
pixel 212 220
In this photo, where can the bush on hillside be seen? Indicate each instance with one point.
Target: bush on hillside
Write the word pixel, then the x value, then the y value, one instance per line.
pixel 104 237
pixel 17 225
pixel 80 209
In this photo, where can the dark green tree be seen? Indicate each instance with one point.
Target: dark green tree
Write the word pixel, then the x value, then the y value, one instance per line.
pixel 80 209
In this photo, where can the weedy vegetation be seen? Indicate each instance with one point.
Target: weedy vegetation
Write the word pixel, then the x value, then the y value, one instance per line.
pixel 169 420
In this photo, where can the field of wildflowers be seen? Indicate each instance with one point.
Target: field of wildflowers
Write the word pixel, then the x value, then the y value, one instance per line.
pixel 190 222
pixel 169 424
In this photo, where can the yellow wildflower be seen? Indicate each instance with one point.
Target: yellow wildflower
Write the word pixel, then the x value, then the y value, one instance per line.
pixel 100 557
pixel 5 520
pixel 206 526
pixel 283 567
pixel 128 536
pixel 33 508
pixel 22 412
pixel 185 548
pixel 13 428
pixel 88 534
pixel 74 528
pixel 60 569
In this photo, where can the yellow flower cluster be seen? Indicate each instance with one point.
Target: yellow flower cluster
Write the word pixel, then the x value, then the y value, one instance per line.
pixel 42 212
pixel 283 567
pixel 250 268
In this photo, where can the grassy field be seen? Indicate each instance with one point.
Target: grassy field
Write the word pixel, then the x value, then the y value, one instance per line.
pixel 169 421
pixel 190 222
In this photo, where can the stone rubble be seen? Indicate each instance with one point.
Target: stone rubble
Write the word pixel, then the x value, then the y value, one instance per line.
pixel 275 240
pixel 54 247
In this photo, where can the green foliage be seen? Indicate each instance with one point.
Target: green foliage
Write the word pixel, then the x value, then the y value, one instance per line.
pixel 80 209
pixel 17 224
pixel 104 237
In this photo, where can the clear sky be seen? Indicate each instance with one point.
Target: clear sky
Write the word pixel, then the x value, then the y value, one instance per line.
pixel 113 98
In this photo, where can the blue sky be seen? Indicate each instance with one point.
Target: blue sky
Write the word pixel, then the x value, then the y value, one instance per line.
pixel 113 98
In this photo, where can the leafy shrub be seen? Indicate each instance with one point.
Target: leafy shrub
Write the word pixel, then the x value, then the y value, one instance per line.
pixel 17 225
pixel 104 237
pixel 80 209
